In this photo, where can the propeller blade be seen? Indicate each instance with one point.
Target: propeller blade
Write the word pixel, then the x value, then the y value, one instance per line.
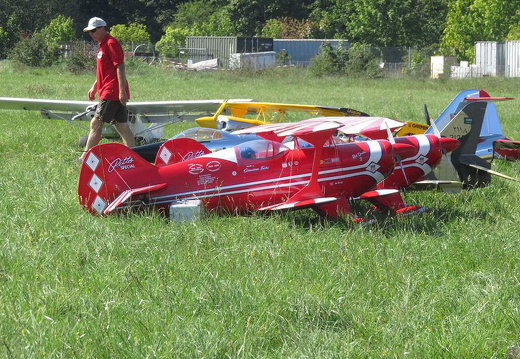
pixel 389 133
pixel 448 159
pixel 435 129
pixel 400 161
pixel 427 115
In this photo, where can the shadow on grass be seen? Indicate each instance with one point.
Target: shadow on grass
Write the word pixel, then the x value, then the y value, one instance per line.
pixel 434 221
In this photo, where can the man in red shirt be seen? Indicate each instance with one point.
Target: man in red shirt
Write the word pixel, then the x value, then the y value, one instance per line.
pixel 110 85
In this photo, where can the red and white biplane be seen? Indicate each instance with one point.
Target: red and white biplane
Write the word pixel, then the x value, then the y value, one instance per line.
pixel 317 171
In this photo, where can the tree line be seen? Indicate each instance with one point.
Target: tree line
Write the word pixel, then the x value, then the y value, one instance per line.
pixel 450 25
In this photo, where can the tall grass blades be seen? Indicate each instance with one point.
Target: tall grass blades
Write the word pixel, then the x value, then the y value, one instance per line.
pixel 440 284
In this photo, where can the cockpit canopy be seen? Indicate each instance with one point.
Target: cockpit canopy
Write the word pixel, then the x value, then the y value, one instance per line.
pixel 260 149
pixel 201 134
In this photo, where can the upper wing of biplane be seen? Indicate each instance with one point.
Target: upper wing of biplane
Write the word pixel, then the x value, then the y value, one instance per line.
pixel 370 127
pixel 278 131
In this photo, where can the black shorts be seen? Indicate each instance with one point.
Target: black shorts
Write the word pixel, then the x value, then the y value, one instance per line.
pixel 111 111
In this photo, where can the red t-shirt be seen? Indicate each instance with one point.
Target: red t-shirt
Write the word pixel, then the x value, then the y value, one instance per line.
pixel 110 54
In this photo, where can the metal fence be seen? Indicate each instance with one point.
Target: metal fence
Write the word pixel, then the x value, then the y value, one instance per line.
pixel 395 61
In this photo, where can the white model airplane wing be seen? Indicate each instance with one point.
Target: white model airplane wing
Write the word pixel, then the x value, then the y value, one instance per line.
pixel 156 114
pixel 151 111
pixel 29 104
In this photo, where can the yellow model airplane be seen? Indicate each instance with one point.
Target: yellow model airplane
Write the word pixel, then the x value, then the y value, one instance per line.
pixel 265 113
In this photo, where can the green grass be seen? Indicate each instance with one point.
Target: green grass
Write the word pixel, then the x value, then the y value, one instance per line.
pixel 441 284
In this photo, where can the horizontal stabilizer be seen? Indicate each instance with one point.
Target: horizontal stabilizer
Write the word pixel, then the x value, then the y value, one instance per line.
pixel 487 170
pixel 125 195
pixel 377 193
pixel 488 98
pixel 445 186
pixel 306 203
pixel 437 182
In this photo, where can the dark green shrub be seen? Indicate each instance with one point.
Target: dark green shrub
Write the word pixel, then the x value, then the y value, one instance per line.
pixel 359 60
pixel 78 62
pixel 363 61
pixel 35 52
pixel 328 61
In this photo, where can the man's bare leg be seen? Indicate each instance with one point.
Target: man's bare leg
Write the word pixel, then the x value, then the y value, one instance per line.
pixel 94 135
pixel 126 134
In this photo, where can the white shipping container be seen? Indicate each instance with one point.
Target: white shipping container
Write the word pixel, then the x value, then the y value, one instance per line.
pixel 252 61
pixel 462 72
pixel 440 65
pixel 512 68
pixel 490 57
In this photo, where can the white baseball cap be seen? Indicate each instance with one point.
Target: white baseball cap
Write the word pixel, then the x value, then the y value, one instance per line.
pixel 94 23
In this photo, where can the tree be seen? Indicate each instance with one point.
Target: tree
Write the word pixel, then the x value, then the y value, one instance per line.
pixel 171 41
pixel 60 29
pixel 331 18
pixel 248 16
pixel 289 28
pixel 477 20
pixel 396 23
pixel 130 35
pixel 156 14
pixel 34 15
pixel 203 18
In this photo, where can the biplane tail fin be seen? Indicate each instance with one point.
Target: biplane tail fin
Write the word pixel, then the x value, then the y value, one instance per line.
pixel 179 150
pixel 111 175
pixel 464 126
pixel 491 124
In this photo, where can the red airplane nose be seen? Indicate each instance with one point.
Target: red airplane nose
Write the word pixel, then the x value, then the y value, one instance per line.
pixel 449 144
pixel 404 150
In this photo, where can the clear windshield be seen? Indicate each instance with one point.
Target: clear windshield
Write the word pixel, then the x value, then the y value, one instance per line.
pixel 201 134
pixel 260 149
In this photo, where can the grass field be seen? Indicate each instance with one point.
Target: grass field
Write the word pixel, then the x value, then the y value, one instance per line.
pixel 442 284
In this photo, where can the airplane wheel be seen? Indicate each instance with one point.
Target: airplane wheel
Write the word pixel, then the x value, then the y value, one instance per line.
pixel 82 141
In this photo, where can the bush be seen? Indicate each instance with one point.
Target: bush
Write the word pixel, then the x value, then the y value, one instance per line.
pixel 328 61
pixel 4 42
pixel 420 61
pixel 130 35
pixel 172 40
pixel 363 61
pixel 35 52
pixel 60 29
pixel 79 63
pixel 360 60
